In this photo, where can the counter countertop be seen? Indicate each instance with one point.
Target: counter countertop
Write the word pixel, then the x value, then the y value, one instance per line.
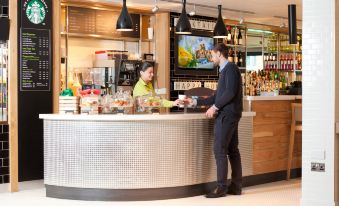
pixel 270 98
pixel 137 117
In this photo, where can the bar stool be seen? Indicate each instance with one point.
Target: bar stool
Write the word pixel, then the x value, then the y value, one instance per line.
pixel 296 125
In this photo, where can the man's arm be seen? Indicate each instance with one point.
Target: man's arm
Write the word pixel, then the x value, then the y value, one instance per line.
pixel 208 101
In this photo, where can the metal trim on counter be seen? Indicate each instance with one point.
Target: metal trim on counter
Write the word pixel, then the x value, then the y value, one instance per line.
pixel 90 194
pixel 272 98
pixel 137 117
pixel 159 193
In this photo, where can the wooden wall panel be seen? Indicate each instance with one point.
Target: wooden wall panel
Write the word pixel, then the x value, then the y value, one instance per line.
pixel 13 97
pixel 271 133
pixel 56 54
pixel 162 52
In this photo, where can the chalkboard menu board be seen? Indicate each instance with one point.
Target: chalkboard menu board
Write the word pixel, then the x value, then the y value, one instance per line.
pixel 35 60
pixel 99 22
pixel 81 20
pixel 35 46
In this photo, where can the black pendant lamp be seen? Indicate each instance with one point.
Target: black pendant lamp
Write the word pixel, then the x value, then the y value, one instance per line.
pixel 292 24
pixel 183 25
pixel 220 30
pixel 124 22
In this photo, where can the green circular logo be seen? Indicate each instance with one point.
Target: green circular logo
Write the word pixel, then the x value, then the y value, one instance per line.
pixel 35 11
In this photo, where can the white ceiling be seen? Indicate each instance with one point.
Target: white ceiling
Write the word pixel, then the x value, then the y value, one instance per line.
pixel 256 11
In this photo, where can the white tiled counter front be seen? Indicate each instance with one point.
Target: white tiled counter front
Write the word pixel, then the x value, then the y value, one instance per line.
pixel 133 157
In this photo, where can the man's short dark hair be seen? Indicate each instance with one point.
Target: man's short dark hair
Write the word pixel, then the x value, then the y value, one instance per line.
pixel 222 49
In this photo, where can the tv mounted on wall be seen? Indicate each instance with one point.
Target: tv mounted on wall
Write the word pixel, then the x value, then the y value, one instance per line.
pixel 193 55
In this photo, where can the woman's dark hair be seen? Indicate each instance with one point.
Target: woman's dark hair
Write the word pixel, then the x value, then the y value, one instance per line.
pixel 145 66
pixel 222 49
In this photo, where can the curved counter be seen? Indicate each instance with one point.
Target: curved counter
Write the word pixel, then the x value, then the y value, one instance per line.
pixel 129 157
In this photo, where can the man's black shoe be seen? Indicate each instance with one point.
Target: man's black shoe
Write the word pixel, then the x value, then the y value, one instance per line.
pixel 217 192
pixel 233 190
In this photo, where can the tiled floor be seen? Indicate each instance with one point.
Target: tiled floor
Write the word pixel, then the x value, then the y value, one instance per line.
pixel 274 194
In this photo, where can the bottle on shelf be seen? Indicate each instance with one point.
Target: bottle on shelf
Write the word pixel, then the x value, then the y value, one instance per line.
pixel 232 36
pixel 230 55
pixel 240 60
pixel 282 62
pixel 229 34
pixel 299 62
pixel 235 36
pixel 236 59
pixel 240 39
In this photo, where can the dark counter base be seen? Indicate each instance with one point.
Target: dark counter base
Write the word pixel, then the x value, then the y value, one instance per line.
pixel 127 194
pixel 157 193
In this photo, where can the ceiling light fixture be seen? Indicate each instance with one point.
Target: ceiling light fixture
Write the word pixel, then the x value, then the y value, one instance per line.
pixel 220 28
pixel 241 20
pixel 192 13
pixel 292 24
pixel 124 22
pixel 155 9
pixel 282 23
pixel 183 25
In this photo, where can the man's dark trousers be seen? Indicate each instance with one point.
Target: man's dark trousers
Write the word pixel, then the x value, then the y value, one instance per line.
pixel 226 143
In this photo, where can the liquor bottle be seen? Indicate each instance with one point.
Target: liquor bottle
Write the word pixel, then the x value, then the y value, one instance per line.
pixel 282 62
pixel 232 36
pixel 230 55
pixel 235 36
pixel 240 39
pixel 273 62
pixel 299 62
pixel 229 35
pixel 236 59
pixel 240 59
pixel 258 89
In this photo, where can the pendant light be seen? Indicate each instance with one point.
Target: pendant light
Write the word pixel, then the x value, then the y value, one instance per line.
pixel 292 24
pixel 124 22
pixel 183 25
pixel 220 30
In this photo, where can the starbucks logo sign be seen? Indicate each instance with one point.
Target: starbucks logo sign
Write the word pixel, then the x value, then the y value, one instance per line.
pixel 36 11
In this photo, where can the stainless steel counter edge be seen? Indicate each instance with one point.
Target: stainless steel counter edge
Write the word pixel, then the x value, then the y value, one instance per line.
pixel 270 98
pixel 137 117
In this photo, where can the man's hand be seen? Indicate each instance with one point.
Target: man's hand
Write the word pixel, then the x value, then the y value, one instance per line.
pixel 211 112
pixel 188 101
pixel 176 103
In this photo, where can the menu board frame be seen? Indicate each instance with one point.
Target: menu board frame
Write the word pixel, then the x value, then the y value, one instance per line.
pixel 36 23
pixel 88 21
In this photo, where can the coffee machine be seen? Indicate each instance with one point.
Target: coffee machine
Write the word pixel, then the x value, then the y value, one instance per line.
pixel 128 74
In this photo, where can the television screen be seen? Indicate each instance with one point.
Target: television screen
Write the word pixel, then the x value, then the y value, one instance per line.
pixel 194 52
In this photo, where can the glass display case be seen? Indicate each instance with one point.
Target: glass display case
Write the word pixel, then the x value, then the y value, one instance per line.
pixel 3 80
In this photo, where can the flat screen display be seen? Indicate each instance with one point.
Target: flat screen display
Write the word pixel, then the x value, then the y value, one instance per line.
pixel 194 52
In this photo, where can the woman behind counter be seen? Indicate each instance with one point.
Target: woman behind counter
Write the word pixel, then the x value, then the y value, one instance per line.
pixel 144 85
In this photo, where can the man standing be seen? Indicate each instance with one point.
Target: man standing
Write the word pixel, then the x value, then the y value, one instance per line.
pixel 227 108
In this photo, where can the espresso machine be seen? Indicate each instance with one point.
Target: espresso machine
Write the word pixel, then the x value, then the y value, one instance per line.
pixel 128 74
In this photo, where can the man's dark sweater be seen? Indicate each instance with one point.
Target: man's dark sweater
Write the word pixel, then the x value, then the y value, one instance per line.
pixel 228 98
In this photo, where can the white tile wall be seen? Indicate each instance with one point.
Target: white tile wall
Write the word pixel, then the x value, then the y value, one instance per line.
pixel 319 83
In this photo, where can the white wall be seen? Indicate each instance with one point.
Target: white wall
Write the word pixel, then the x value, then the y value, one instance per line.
pixel 319 87
pixel 82 50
